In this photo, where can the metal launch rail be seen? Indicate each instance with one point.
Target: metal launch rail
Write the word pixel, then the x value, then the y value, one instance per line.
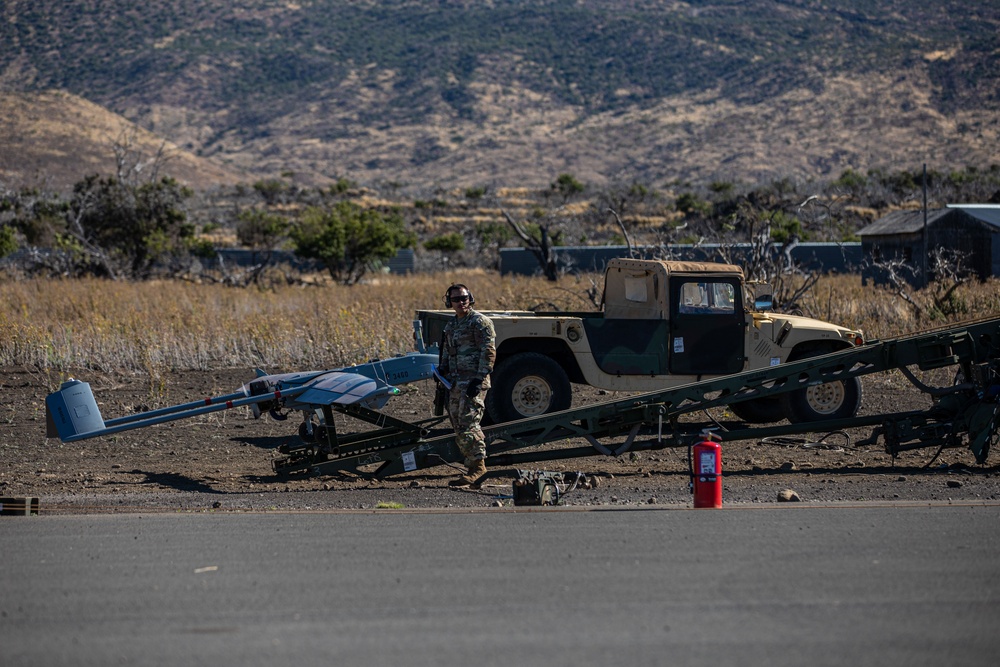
pixel 964 413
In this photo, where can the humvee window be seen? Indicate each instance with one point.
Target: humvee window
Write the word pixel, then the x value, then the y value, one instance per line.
pixel 707 298
pixel 635 289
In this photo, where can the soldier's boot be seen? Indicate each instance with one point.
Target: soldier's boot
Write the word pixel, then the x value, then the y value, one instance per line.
pixel 476 472
pixel 476 469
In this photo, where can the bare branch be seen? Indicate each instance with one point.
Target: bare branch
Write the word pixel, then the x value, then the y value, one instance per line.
pixel 540 248
pixel 517 228
pixel 628 239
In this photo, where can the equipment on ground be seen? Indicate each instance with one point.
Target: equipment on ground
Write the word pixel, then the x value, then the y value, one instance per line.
pixel 964 413
pixel 543 487
pixel 534 487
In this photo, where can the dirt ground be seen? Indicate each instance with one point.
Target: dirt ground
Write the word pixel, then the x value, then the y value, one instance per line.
pixel 222 461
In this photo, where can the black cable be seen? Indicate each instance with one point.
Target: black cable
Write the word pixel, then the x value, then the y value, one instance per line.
pixel 450 464
pixel 805 443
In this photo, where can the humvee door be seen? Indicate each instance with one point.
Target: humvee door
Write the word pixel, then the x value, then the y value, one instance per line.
pixel 706 325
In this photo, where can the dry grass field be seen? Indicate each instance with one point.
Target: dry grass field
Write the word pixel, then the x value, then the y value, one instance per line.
pixel 56 326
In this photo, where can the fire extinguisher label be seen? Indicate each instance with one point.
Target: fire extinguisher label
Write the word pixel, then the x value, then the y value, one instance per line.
pixel 706 463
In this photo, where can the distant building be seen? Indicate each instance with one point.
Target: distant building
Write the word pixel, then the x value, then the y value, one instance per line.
pixel 971 231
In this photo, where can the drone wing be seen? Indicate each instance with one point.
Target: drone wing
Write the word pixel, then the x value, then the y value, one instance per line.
pixel 341 388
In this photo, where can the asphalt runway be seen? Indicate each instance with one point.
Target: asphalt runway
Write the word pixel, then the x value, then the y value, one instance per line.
pixel 771 585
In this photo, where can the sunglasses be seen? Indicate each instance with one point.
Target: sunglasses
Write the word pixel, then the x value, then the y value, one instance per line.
pixel 461 298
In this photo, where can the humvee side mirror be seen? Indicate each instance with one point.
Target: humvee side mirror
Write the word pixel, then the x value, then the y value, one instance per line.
pixel 763 298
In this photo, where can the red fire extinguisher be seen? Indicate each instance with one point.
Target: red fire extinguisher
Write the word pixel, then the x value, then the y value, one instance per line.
pixel 705 465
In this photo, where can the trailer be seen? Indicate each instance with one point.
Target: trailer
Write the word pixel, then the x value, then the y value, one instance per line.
pixel 963 413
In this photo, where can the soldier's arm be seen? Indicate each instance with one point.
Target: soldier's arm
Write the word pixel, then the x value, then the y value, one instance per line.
pixel 444 358
pixel 486 340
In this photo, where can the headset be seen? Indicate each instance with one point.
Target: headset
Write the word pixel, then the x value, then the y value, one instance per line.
pixel 455 286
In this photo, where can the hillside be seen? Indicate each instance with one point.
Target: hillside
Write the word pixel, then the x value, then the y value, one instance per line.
pixel 56 138
pixel 424 94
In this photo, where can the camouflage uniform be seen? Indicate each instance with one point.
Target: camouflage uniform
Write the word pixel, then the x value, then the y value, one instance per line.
pixel 467 353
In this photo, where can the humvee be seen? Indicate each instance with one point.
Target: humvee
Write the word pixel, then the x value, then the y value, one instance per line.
pixel 663 324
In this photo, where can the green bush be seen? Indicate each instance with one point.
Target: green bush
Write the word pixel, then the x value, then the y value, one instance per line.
pixel 446 242
pixel 348 239
pixel 851 179
pixel 691 205
pixel 567 186
pixel 260 229
pixel 493 232
pixel 8 242
pixel 342 186
pixel 784 227
pixel 272 190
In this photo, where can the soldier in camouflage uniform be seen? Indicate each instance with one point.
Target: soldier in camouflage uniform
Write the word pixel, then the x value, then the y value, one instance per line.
pixel 468 351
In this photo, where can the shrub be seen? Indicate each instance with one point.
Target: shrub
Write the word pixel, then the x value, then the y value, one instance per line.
pixel 349 239
pixel 446 242
pixel 8 243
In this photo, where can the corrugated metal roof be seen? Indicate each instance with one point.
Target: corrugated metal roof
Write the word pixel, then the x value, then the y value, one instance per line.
pixel 988 213
pixel 902 222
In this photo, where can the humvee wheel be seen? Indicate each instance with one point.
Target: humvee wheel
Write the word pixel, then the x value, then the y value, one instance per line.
pixel 834 400
pixel 527 385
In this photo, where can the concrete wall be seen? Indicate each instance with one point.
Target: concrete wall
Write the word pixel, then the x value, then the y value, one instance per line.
pixel 403 262
pixel 823 257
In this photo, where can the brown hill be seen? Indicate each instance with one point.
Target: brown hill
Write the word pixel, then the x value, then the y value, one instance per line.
pixel 421 94
pixel 54 139
pixel 875 121
pixel 879 121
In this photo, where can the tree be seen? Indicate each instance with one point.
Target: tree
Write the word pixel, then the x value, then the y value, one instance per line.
pixel 274 190
pixel 492 234
pixel 939 297
pixel 116 226
pixel 765 262
pixel 124 227
pixel 540 241
pixel 262 232
pixel 349 239
pixel 447 244
pixel 31 216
